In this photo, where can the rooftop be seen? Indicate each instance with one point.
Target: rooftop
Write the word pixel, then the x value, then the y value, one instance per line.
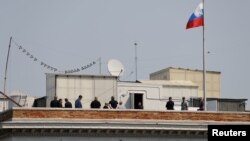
pixel 170 82
pixel 80 75
pixel 186 69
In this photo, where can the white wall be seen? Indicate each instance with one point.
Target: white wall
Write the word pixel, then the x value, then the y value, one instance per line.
pixel 151 95
pixel 50 87
pixel 177 92
pixel 103 87
pixel 154 96
pixel 71 86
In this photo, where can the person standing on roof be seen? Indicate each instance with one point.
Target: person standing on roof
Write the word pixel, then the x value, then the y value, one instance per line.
pixel 54 103
pixel 67 103
pixel 95 103
pixel 184 105
pixel 78 103
pixel 201 105
pixel 170 104
pixel 113 103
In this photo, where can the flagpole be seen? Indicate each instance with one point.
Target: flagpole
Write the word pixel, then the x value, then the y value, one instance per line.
pixel 204 60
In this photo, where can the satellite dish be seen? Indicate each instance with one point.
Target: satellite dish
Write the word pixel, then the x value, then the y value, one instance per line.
pixel 115 67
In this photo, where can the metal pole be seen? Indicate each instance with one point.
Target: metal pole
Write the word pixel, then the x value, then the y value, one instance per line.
pixel 100 65
pixel 6 67
pixel 135 61
pixel 204 60
pixel 10 99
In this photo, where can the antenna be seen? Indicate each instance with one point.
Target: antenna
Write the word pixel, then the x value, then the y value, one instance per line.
pixel 135 61
pixel 100 65
pixel 6 67
pixel 115 67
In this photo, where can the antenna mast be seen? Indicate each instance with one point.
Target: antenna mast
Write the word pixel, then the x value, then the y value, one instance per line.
pixel 6 67
pixel 135 61
pixel 100 65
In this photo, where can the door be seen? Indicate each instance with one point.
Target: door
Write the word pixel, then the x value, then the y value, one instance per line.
pixel 136 100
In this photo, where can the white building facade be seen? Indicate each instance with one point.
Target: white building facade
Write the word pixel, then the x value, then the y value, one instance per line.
pixel 153 94
pixel 89 86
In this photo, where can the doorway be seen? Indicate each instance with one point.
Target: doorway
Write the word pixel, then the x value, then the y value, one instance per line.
pixel 136 100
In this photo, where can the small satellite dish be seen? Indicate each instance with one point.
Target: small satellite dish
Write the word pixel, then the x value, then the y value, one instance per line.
pixel 115 67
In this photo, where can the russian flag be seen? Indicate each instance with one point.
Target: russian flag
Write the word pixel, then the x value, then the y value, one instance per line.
pixel 197 18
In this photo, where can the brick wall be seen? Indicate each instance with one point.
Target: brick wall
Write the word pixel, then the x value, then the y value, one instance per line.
pixel 123 114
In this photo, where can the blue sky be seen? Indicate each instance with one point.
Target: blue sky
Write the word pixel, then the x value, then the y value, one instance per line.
pixel 68 34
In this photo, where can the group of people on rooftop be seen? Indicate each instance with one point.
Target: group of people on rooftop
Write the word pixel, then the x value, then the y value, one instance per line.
pixel 113 104
pixel 58 103
pixel 184 104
